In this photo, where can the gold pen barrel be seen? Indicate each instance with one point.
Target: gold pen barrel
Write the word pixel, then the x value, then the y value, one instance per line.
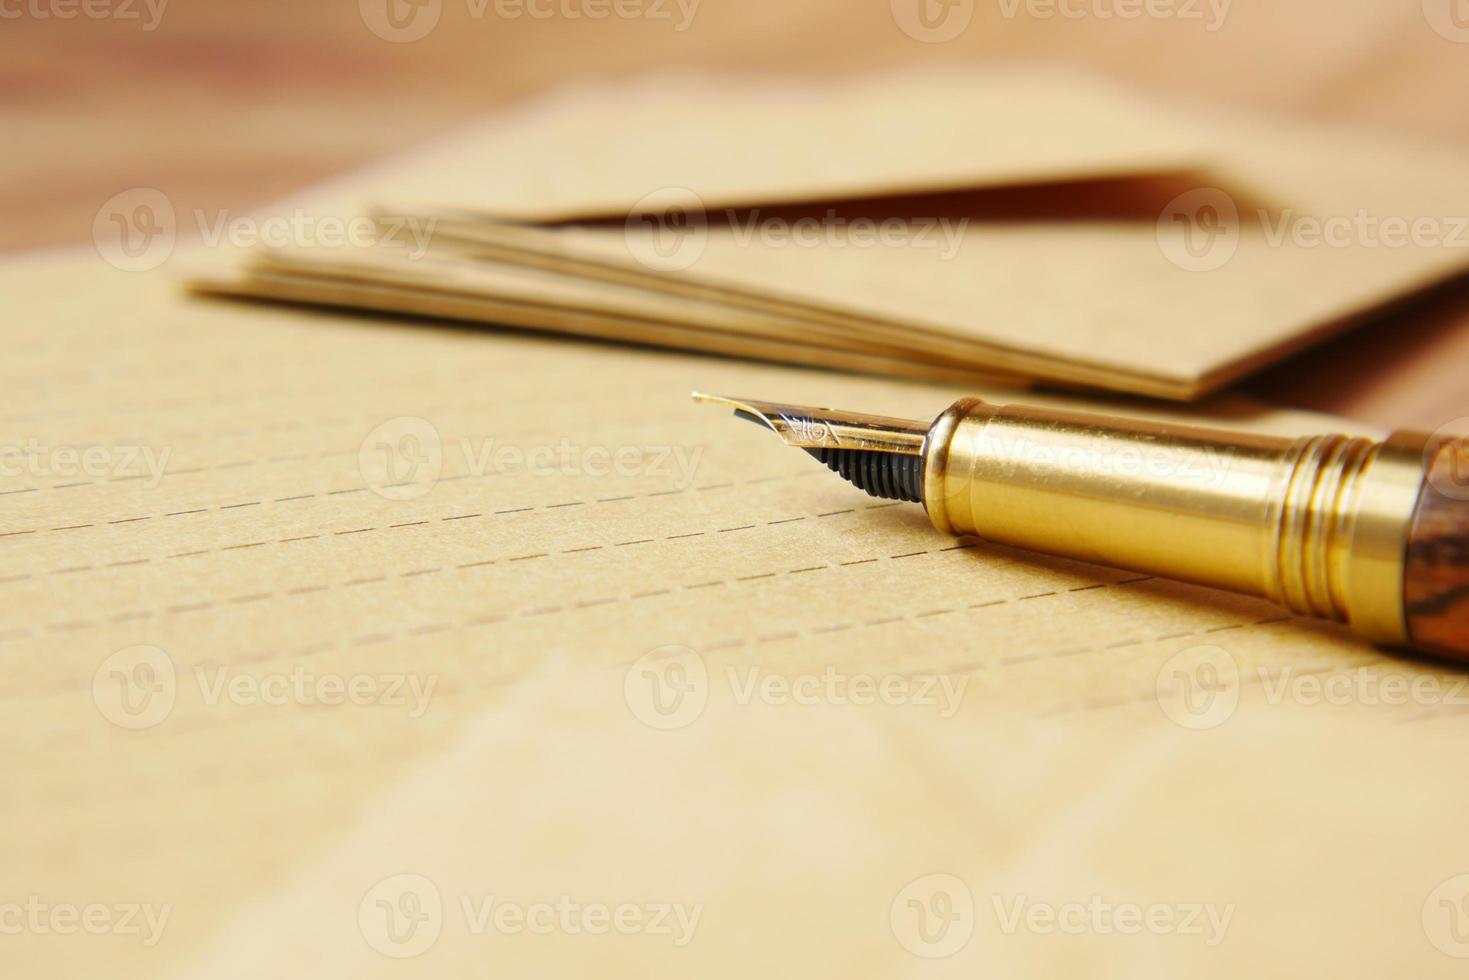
pixel 1319 524
pixel 1372 533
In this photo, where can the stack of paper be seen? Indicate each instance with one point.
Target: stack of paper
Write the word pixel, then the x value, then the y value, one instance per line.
pixel 950 225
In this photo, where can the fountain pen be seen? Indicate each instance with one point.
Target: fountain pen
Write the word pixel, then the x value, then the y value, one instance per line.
pixel 1367 532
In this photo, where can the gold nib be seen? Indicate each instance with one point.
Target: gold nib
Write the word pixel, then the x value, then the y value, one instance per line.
pixel 825 428
pixel 880 455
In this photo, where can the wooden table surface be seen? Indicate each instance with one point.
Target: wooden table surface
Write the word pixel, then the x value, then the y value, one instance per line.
pixel 228 105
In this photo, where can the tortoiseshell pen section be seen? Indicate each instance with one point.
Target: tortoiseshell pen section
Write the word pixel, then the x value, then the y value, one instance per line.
pixel 1436 573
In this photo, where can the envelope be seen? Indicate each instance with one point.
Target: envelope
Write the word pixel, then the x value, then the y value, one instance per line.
pixel 990 222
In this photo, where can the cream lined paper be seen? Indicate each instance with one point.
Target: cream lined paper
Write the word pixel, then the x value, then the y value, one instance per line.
pixel 302 525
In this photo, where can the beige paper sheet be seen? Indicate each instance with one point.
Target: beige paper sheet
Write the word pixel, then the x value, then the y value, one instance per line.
pixel 286 542
pixel 884 842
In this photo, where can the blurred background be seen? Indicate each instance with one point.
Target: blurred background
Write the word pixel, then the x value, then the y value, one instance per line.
pixel 228 105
